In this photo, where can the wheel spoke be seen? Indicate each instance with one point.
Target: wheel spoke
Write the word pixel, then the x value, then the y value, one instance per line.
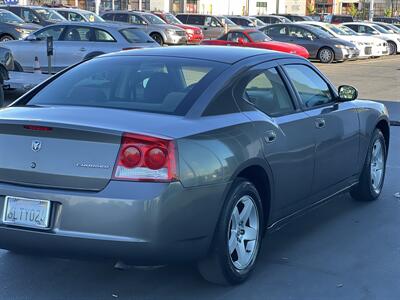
pixel 232 241
pixel 242 254
pixel 250 234
pixel 247 209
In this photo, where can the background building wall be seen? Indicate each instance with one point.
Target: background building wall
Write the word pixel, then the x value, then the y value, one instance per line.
pixel 296 7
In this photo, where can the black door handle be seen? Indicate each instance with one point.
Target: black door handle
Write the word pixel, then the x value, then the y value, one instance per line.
pixel 320 123
pixel 270 136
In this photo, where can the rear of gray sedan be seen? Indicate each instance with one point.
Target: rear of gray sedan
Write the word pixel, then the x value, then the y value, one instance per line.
pixel 100 163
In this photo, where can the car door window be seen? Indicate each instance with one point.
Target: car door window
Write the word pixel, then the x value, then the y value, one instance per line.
pixel 300 33
pixel 133 19
pixel 54 31
pixel 108 17
pixel 196 20
pixel 76 34
pixel 74 17
pixel 211 21
pixel 277 30
pixel 103 36
pixel 353 27
pixel 312 89
pixel 29 16
pixel 121 18
pixel 235 36
pixel 268 93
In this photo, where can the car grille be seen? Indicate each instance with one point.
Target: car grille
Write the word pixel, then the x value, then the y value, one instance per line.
pixel 368 50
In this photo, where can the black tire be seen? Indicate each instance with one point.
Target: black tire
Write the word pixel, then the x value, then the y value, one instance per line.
pixel 5 38
pixel 364 190
pixel 326 55
pixel 392 48
pixel 158 38
pixel 218 267
pixel 1 95
pixel 92 55
pixel 17 67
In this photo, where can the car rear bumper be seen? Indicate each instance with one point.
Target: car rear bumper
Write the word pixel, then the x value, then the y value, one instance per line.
pixel 139 223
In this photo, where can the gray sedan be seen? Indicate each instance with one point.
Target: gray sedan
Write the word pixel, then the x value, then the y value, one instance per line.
pixel 187 153
pixel 13 27
pixel 74 42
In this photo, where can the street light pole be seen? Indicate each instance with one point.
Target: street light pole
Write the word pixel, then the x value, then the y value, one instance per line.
pixel 371 10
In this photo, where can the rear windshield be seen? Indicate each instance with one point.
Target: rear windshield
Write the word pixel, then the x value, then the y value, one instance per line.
pixel 133 35
pixel 144 83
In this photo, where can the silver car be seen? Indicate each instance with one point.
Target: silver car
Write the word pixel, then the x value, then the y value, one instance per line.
pixel 78 15
pixel 74 42
pixel 186 153
pixel 153 25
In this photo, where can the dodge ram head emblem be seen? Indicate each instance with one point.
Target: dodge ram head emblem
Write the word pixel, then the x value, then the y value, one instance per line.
pixel 36 145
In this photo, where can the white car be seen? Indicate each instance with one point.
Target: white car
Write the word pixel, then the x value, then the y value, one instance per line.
pixel 392 39
pixel 367 45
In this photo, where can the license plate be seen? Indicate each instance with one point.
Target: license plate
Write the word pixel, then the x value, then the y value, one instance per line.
pixel 26 212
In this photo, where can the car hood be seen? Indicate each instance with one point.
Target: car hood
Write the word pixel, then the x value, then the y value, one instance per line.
pixel 28 26
pixel 284 46
pixel 343 42
pixel 184 26
pixel 167 26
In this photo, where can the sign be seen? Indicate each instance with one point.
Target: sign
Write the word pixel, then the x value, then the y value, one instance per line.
pixel 11 2
pixel 49 43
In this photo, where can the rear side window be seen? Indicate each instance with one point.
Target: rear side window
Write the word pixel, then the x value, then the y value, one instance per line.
pixel 102 36
pixel 152 84
pixel 121 18
pixel 268 93
pixel 196 20
pixel 182 18
pixel 313 90
pixel 135 36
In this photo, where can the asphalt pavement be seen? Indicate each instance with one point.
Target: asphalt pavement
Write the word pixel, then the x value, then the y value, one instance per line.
pixel 342 250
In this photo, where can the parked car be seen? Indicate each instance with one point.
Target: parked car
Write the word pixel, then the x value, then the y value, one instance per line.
pixel 13 27
pixel 241 21
pixel 319 17
pixel 182 154
pixel 78 15
pixel 194 34
pixel 368 46
pixel 389 27
pixel 321 45
pixel 392 39
pixel 160 31
pixel 272 19
pixel 389 20
pixel 337 19
pixel 255 39
pixel 211 26
pixel 380 44
pixel 75 42
pixel 296 18
pixel 35 14
pixel 257 22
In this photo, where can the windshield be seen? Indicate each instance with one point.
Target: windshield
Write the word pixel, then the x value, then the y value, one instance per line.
pixel 10 18
pixel 337 30
pixel 348 30
pixel 153 84
pixel 394 28
pixel 171 19
pixel 258 36
pixel 152 19
pixel 258 22
pixel 226 21
pixel 320 32
pixel 380 29
pixel 133 35
pixel 49 15
pixel 92 17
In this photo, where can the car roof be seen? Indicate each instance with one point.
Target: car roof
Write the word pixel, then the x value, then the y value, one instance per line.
pixel 104 25
pixel 71 9
pixel 210 53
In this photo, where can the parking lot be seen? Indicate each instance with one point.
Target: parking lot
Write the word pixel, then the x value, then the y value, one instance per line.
pixel 343 250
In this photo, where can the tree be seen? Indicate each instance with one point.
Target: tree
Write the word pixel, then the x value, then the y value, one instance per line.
pixel 387 12
pixel 310 9
pixel 353 11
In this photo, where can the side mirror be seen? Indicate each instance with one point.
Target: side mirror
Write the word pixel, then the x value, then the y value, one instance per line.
pixel 240 41
pixel 31 38
pixel 347 93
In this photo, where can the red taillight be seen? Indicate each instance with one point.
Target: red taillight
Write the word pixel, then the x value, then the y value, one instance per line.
pixel 38 128
pixel 145 158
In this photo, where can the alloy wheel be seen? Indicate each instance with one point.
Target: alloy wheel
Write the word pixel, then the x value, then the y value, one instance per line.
pixel 326 55
pixel 377 166
pixel 243 233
